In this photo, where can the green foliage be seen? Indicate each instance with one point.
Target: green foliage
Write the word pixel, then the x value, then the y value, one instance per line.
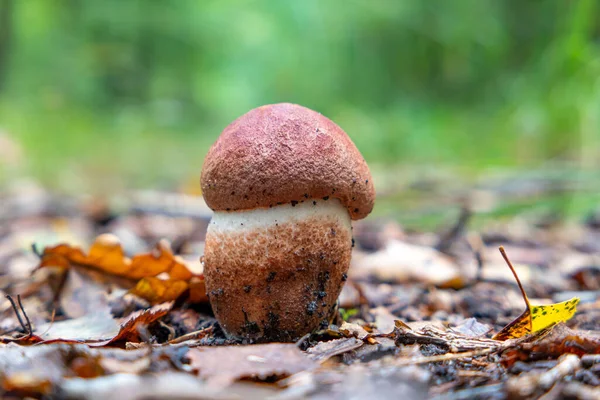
pixel 471 83
pixel 349 313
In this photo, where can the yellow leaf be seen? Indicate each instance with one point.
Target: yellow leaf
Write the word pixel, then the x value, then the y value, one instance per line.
pixel 535 318
pixel 544 316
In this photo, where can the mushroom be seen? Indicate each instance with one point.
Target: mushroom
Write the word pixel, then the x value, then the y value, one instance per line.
pixel 284 183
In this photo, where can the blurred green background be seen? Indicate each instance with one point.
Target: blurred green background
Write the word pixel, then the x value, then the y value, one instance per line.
pixel 97 95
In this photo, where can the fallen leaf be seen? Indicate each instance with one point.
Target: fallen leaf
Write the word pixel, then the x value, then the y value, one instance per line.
pixel 325 350
pixel 472 328
pixel 101 329
pixel 128 331
pixel 558 341
pixel 106 255
pixel 404 262
pixel 30 371
pixel 155 290
pixel 222 366
pixel 535 317
pixel 91 327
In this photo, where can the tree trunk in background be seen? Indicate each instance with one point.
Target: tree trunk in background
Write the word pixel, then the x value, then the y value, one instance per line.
pixel 6 7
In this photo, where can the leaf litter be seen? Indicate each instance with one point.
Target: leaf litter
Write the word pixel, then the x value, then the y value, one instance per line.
pixel 129 316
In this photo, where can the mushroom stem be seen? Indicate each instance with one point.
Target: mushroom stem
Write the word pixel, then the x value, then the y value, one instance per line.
pixel 275 274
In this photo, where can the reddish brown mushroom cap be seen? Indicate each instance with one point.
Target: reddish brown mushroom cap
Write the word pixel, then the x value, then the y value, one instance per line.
pixel 285 153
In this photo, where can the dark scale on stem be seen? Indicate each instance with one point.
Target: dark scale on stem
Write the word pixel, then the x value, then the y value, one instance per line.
pixel 247 288
pixel 249 327
pixel 271 276
pixel 294 202
pixel 311 307
pixel 344 277
pixel 326 198
pixel 353 242
pixel 306 195
pixel 314 203
pixel 217 292
pixel 271 327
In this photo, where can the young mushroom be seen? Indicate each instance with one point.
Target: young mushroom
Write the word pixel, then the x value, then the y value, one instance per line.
pixel 284 183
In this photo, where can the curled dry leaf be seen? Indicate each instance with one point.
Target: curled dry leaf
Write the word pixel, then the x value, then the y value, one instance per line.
pixel 558 341
pixel 101 329
pixel 106 255
pixel 128 330
pixel 222 366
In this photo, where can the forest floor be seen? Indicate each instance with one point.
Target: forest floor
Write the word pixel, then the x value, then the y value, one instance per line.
pixel 416 319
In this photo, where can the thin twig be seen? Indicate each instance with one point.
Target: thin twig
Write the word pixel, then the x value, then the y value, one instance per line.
pixel 35 250
pixel 456 231
pixel 476 245
pixel 16 310
pixel 26 327
pixel 446 357
pixel 51 322
pixel 192 335
pixel 29 330
pixel 501 248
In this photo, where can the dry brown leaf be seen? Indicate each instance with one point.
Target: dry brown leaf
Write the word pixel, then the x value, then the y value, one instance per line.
pixel 101 329
pixel 560 340
pixel 323 351
pixel 225 365
pixel 128 331
pixel 106 255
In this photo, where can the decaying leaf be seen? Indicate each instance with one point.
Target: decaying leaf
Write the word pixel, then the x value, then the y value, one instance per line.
pixel 101 328
pixel 106 255
pixel 91 327
pixel 325 350
pixel 128 330
pixel 557 341
pixel 535 317
pixel 30 371
pixel 223 365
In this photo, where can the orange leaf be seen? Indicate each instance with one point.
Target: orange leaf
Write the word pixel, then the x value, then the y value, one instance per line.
pixel 157 291
pixel 107 256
